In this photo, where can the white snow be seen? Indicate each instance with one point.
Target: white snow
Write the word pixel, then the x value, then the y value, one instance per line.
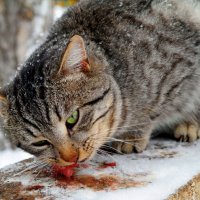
pixel 165 166
pixel 9 156
pixel 58 11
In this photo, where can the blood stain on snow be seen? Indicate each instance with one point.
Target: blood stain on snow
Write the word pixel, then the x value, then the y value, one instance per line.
pixel 104 182
pixel 35 187
pixel 106 165
pixel 15 190
pixel 66 177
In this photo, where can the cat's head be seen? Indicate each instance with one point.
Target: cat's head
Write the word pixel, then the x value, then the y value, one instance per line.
pixel 66 115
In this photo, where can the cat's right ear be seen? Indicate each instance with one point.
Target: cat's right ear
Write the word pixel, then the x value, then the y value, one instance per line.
pixel 75 57
pixel 3 98
pixel 3 103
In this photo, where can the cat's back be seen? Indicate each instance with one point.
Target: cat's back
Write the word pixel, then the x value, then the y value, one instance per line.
pixel 137 33
pixel 128 31
pixel 124 24
pixel 95 16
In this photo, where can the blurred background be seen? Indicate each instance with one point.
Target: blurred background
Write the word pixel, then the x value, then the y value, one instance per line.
pixel 24 24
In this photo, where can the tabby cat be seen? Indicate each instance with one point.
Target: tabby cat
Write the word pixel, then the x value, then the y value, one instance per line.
pixel 109 71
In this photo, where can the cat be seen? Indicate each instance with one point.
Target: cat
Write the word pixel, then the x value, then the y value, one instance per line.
pixel 109 71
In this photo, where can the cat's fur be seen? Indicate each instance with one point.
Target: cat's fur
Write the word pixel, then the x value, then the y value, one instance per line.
pixel 140 69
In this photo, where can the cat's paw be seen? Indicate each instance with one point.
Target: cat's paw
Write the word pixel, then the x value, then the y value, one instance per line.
pixel 187 132
pixel 129 143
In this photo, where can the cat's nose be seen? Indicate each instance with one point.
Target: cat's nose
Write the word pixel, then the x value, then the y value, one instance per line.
pixel 69 153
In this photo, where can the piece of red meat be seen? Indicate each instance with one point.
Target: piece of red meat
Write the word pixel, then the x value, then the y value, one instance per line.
pixel 66 171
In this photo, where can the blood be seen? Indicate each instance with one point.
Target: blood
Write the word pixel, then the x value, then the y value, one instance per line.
pixel 89 181
pixel 65 177
pixel 105 165
pixel 67 171
pixel 35 187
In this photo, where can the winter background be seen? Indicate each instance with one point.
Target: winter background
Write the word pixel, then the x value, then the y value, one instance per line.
pixel 23 27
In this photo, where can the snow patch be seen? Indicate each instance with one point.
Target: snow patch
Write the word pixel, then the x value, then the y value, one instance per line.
pixel 9 156
pixel 165 166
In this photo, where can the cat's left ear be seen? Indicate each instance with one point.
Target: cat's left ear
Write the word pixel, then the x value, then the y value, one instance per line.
pixel 75 57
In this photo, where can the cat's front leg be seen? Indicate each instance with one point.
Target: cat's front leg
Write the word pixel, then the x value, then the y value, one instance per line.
pixel 187 132
pixel 131 142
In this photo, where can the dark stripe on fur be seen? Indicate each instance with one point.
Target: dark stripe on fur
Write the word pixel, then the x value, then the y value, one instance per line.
pixel 47 111
pixel 30 132
pixel 57 113
pixel 178 84
pixel 97 99
pixel 103 115
pixel 143 5
pixel 166 75
pixel 18 107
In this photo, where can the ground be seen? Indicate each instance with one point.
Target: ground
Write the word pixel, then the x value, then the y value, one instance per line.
pixel 159 172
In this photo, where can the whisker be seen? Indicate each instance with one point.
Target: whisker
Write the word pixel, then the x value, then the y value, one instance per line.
pixel 127 126
pixel 126 140
pixel 123 127
pixel 107 154
pixel 41 165
pixel 112 148
pixel 99 154
pixel 37 163
pixel 109 139
pixel 32 166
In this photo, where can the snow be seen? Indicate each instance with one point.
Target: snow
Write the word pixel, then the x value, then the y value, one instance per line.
pixel 165 174
pixel 9 156
pixel 40 22
pixel 58 11
pixel 163 168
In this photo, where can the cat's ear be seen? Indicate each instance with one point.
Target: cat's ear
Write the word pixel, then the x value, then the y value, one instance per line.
pixel 75 57
pixel 3 98
pixel 3 103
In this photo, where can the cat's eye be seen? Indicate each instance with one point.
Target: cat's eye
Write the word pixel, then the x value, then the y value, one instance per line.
pixel 72 120
pixel 41 143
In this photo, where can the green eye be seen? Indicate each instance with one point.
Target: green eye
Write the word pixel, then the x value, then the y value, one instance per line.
pixel 72 120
